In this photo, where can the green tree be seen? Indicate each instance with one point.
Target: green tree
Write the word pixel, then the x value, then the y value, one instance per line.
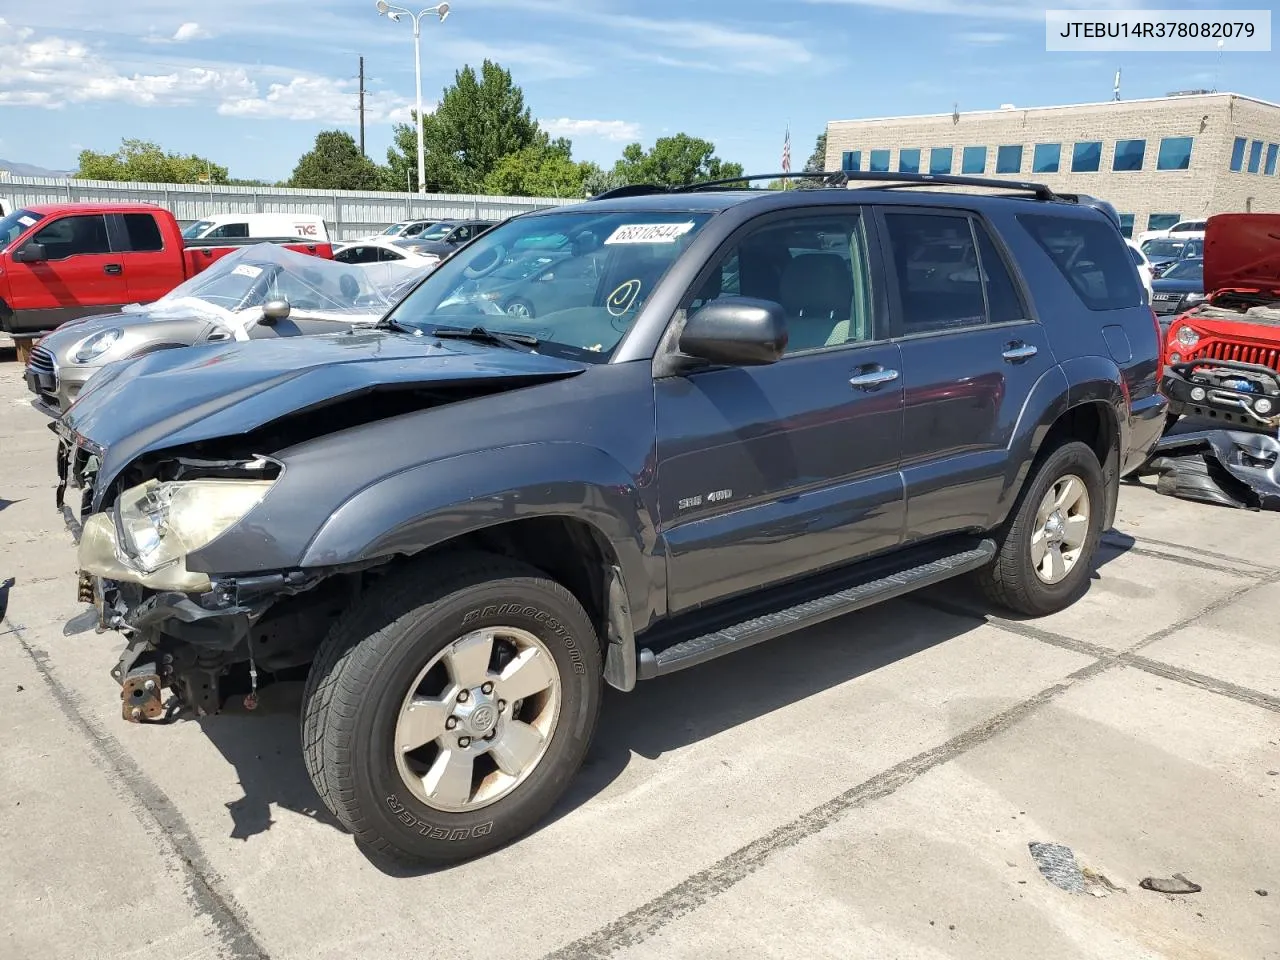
pixel 335 163
pixel 674 161
pixel 141 161
pixel 544 169
pixel 480 120
pixel 817 163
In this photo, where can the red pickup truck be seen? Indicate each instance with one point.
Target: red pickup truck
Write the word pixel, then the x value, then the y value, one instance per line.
pixel 59 262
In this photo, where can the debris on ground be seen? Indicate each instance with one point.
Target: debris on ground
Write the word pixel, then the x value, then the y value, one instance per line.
pixel 1230 468
pixel 21 688
pixel 1176 884
pixel 1057 864
pixel 1099 884
pixel 1260 892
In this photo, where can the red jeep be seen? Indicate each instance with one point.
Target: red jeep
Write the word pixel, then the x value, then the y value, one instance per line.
pixel 1222 357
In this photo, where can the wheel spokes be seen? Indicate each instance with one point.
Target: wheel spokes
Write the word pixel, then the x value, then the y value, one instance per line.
pixel 516 747
pixel 468 659
pixel 1070 490
pixel 1054 566
pixel 449 779
pixel 1074 531
pixel 529 673
pixel 1039 544
pixel 423 722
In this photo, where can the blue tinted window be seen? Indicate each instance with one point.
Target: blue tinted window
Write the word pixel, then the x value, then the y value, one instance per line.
pixel 1047 158
pixel 909 161
pixel 940 160
pixel 851 161
pixel 1162 221
pixel 1175 153
pixel 1129 154
pixel 1270 168
pixel 1237 154
pixel 974 160
pixel 1126 224
pixel 1086 156
pixel 1009 159
pixel 879 161
pixel 1255 156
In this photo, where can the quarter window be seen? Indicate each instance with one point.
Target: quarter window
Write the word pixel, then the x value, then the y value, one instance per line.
pixel 74 236
pixel 1129 155
pixel 974 160
pixel 1090 256
pixel 1237 155
pixel 1009 159
pixel 1086 156
pixel 1175 153
pixel 1047 158
pixel 1255 156
pixel 851 161
pixel 143 232
pixel 1270 167
pixel 230 231
pixel 909 161
pixel 940 160
pixel 879 161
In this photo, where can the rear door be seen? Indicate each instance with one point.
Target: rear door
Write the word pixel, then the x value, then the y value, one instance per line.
pixel 150 270
pixel 81 276
pixel 971 353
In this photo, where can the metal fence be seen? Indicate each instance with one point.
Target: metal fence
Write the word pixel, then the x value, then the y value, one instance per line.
pixel 349 213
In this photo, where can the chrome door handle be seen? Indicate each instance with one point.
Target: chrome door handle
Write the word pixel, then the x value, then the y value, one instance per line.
pixel 873 378
pixel 1016 352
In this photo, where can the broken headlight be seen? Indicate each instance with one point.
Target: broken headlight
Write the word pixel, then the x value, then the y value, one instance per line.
pixel 156 525
pixel 1188 337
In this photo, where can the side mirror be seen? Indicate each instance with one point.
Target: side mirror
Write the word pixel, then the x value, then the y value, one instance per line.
pixel 30 252
pixel 738 331
pixel 273 311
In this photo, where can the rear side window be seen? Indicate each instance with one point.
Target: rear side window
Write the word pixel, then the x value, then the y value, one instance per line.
pixel 231 231
pixel 143 231
pixel 1090 254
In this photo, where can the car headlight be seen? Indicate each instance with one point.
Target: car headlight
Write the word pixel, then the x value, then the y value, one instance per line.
pixel 1188 337
pixel 156 525
pixel 96 345
pixel 1195 298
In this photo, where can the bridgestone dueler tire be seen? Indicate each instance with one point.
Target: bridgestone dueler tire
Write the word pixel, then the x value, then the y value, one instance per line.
pixel 362 673
pixel 1010 580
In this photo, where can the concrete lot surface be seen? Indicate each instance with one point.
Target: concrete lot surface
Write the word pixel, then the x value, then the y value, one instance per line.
pixel 866 789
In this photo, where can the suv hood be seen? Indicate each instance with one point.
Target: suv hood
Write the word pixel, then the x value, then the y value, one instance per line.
pixel 1242 252
pixel 176 397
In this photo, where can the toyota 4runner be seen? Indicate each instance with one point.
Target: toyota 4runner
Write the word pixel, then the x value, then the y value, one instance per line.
pixel 736 413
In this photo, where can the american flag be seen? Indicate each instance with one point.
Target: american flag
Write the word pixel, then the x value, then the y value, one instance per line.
pixel 786 151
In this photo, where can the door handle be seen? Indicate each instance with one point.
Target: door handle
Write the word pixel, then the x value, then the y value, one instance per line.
pixel 1018 351
pixel 872 378
pixel 113 268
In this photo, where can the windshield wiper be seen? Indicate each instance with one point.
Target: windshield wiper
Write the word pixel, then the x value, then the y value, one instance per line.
pixel 390 323
pixel 513 341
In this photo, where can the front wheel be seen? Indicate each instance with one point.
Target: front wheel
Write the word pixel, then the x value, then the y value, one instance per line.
pixel 451 708
pixel 520 308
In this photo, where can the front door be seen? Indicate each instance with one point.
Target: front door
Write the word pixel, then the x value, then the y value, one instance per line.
pixel 768 473
pixel 80 275
pixel 971 355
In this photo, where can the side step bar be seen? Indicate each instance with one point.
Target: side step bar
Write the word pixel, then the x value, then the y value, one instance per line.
pixel 692 652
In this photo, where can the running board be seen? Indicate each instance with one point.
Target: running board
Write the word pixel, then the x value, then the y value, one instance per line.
pixel 690 653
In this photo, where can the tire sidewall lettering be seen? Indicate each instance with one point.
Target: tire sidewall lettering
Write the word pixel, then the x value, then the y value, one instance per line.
pixel 538 616
pixel 433 832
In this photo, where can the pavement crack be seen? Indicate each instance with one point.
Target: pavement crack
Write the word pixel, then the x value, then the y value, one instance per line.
pixel 158 815
pixel 1212 684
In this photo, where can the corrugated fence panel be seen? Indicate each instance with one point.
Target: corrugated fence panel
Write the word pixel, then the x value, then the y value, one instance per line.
pixel 349 213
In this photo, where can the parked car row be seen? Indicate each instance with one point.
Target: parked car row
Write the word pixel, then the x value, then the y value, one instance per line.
pixel 591 446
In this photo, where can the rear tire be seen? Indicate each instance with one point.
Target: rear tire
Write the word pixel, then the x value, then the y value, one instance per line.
pixel 405 657
pixel 1025 577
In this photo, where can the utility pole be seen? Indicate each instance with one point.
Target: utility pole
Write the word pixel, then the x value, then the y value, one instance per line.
pixel 362 106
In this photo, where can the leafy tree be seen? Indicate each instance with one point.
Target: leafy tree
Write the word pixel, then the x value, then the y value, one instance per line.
pixel 540 170
pixel 674 161
pixel 335 163
pixel 598 181
pixel 141 161
pixel 480 120
pixel 816 163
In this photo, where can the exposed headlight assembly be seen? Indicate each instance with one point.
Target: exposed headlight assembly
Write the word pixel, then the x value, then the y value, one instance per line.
pixel 156 525
pixel 95 346
pixel 1188 337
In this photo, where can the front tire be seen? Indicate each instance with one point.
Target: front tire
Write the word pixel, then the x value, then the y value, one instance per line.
pixel 1050 543
pixel 451 708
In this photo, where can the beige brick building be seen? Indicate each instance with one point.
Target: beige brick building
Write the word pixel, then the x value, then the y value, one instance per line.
pixel 1158 160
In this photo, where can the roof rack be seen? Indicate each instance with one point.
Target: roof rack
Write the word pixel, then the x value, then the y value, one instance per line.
pixel 893 181
pixel 834 179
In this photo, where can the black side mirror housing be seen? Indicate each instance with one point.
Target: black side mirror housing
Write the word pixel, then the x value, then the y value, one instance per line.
pixel 30 252
pixel 273 311
pixel 736 331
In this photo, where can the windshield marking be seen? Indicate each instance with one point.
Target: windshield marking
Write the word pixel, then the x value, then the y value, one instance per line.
pixel 621 299
pixel 649 232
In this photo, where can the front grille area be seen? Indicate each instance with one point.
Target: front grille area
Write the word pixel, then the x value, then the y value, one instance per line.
pixel 1243 353
pixel 41 362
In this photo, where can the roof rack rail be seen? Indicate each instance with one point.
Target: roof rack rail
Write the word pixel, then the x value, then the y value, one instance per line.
pixel 904 180
pixel 631 190
pixel 834 179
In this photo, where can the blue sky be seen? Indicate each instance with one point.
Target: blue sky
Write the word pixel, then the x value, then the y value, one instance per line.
pixel 250 82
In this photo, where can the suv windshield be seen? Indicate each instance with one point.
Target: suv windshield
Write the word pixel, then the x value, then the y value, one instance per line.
pixel 582 297
pixel 1185 270
pixel 196 229
pixel 437 233
pixel 1163 248
pixel 394 230
pixel 15 224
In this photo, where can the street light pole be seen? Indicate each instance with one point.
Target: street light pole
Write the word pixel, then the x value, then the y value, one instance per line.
pixel 440 10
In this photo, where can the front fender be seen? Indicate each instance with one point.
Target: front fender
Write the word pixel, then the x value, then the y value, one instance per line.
pixel 434 502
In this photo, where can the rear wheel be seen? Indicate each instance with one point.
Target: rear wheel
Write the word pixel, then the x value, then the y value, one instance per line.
pixel 1049 545
pixel 519 308
pixel 450 710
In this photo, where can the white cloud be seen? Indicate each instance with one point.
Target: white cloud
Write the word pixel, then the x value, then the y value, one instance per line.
pixel 1011 10
pixel 318 99
pixel 619 131
pixel 981 39
pixel 189 31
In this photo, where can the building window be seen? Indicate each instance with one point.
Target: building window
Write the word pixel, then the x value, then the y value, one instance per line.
pixel 1047 158
pixel 1255 156
pixel 1009 159
pixel 1086 156
pixel 1175 154
pixel 1126 224
pixel 1237 155
pixel 974 160
pixel 851 161
pixel 1129 155
pixel 879 161
pixel 1162 221
pixel 1270 168
pixel 909 161
pixel 940 160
